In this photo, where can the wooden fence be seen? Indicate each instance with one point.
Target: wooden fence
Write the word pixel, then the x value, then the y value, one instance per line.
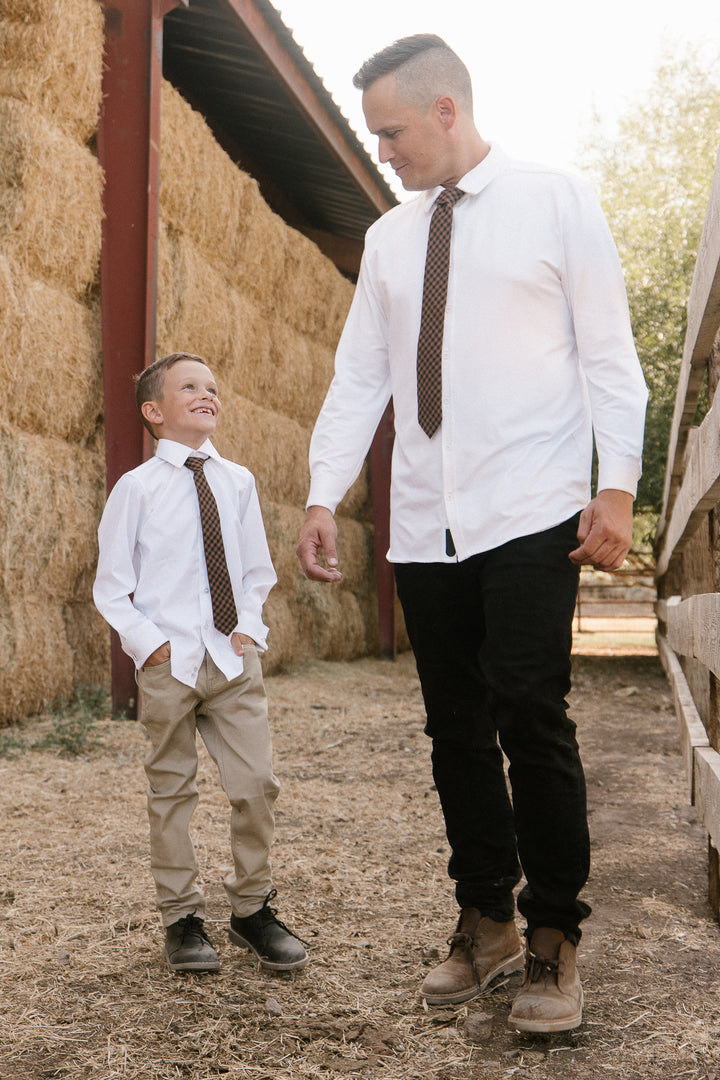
pixel 688 545
pixel 616 609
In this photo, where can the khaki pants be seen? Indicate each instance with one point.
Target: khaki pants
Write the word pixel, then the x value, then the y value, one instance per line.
pixel 231 718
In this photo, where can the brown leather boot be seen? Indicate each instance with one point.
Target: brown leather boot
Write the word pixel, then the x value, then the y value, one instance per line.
pixel 480 949
pixel 551 997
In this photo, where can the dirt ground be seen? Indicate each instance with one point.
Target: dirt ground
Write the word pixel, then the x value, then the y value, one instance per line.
pixel 359 865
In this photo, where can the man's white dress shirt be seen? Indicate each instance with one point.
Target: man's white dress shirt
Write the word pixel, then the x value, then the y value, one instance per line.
pixel 152 584
pixel 537 352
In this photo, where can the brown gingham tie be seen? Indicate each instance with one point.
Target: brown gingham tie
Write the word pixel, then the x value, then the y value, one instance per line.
pixel 221 594
pixel 429 355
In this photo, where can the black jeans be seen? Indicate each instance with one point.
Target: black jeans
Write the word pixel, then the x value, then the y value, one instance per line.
pixel 492 637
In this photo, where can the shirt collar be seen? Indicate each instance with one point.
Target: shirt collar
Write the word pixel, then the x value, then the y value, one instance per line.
pixel 177 453
pixel 473 182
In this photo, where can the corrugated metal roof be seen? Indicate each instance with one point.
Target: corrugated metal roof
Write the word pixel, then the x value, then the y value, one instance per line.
pixel 239 65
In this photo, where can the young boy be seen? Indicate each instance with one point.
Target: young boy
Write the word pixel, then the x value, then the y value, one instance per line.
pixel 183 572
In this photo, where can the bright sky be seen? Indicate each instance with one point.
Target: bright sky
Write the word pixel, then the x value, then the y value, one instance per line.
pixel 540 68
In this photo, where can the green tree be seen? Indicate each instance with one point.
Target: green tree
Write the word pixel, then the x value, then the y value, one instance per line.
pixel 654 180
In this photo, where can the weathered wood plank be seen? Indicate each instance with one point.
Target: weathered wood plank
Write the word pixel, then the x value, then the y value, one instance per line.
pixel 699 491
pixel 688 392
pixel 703 317
pixel 694 629
pixel 692 732
pixel 702 326
pixel 707 790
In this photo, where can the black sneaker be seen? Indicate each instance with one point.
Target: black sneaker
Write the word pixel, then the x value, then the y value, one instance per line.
pixel 188 948
pixel 275 946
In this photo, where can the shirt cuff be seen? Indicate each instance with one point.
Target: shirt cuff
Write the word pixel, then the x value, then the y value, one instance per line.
pixel 143 644
pixel 621 474
pixel 321 494
pixel 254 628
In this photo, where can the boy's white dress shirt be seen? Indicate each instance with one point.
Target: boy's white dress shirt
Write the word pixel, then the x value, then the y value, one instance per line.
pixel 152 583
pixel 537 354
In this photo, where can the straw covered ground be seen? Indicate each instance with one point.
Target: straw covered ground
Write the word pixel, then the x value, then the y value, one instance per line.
pixel 359 864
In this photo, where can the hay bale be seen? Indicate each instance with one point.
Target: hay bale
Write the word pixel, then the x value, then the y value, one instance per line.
pixel 11 321
pixel 37 661
pixel 51 58
pixel 260 253
pixel 28 11
pixel 50 345
pixel 194 301
pixel 282 526
pixel 204 195
pixel 313 296
pixel 202 192
pixel 284 645
pixel 297 376
pixel 272 446
pixel 88 637
pixel 52 494
pixel 275 449
pixel 48 650
pixel 50 200
pixel 260 356
pixel 332 622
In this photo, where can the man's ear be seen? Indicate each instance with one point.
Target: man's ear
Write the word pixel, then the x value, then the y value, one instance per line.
pixel 151 412
pixel 446 110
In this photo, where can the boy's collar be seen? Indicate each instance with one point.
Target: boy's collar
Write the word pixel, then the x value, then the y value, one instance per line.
pixel 177 453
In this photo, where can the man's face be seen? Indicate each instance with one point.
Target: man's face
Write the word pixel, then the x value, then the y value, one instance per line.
pixel 189 409
pixel 413 142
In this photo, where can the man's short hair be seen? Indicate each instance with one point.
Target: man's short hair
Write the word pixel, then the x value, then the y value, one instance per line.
pixel 424 67
pixel 150 383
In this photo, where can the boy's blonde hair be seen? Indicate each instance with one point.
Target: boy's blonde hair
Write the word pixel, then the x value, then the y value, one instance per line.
pixel 150 383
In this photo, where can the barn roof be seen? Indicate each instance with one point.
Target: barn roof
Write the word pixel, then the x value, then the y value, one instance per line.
pixel 239 65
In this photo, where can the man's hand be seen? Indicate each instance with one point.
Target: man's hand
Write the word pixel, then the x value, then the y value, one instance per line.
pixel 239 641
pixel 605 530
pixel 318 538
pixel 159 656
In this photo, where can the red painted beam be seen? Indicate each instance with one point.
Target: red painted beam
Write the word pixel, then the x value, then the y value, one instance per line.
pixel 380 460
pixel 273 51
pixel 128 148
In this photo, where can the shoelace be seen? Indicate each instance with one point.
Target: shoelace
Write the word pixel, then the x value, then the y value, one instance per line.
pixel 460 939
pixel 268 914
pixel 193 926
pixel 538 967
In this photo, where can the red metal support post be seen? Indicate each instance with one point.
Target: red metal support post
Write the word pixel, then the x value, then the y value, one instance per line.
pixel 129 152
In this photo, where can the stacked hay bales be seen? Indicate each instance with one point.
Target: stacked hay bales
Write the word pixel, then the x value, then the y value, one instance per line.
pixel 51 439
pixel 234 284
pixel 266 308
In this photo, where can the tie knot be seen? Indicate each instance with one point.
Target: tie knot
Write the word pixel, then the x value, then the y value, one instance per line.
pixel 197 464
pixel 449 197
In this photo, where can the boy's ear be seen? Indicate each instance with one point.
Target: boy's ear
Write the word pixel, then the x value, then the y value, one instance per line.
pixel 151 412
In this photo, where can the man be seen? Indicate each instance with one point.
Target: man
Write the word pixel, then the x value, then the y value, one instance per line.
pixel 491 517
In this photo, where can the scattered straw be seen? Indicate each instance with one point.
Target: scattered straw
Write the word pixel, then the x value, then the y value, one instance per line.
pixel 359 863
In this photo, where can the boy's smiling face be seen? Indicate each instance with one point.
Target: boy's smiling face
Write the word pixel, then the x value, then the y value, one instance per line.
pixel 189 408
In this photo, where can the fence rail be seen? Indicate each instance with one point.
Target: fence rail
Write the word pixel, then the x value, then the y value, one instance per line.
pixel 688 546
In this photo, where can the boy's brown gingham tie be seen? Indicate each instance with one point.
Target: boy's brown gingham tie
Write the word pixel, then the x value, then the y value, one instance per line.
pixel 221 594
pixel 429 355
